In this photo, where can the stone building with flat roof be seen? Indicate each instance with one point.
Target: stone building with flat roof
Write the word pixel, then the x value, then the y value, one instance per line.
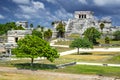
pixel 12 37
pixel 24 24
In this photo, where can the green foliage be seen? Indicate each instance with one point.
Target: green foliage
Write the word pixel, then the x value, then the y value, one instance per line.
pixel 19 28
pixel 107 40
pixel 33 47
pixel 92 34
pixel 38 26
pixel 81 43
pixel 52 23
pixel 116 35
pixel 61 30
pixel 31 25
pixel 115 59
pixel 102 26
pixel 8 26
pixel 37 33
pixel 47 34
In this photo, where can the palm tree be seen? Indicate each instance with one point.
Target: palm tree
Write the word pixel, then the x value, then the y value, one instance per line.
pixel 38 26
pixel 31 25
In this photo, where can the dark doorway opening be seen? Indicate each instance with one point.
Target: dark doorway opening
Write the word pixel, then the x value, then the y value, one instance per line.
pixel 16 39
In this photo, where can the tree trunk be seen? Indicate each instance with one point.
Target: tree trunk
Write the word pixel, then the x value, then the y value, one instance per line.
pixel 78 51
pixel 32 59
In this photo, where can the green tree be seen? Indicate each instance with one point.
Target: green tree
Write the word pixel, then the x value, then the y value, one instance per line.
pixel 92 34
pixel 116 35
pixel 9 26
pixel 42 30
pixel 31 25
pixel 52 23
pixel 101 27
pixel 37 33
pixel 48 34
pixel 61 30
pixel 107 40
pixel 33 47
pixel 81 43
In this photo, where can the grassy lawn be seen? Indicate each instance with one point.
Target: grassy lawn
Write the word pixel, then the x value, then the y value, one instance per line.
pixel 73 36
pixel 62 42
pixel 101 57
pixel 63 49
pixel 97 70
pixel 102 41
pixel 92 57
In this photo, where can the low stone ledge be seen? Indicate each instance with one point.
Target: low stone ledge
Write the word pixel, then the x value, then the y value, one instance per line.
pixel 67 64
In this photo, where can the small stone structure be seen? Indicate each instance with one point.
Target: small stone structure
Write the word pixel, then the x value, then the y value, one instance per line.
pixel 12 37
pixel 24 24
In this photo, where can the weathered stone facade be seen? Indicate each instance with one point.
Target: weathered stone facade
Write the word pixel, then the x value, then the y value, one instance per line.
pixel 85 19
pixel 24 24
pixel 12 37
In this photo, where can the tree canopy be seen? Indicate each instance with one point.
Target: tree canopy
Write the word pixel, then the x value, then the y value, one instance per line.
pixel 92 34
pixel 31 25
pixel 107 40
pixel 102 26
pixel 8 26
pixel 33 47
pixel 116 35
pixel 81 43
pixel 47 34
pixel 37 33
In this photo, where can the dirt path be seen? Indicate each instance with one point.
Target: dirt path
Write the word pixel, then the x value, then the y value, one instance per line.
pixel 55 76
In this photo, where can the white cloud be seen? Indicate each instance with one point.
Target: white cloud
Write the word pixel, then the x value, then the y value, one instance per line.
pixel 33 8
pixel 27 9
pixel 83 1
pixel 38 5
pixel 106 2
pixel 21 16
pixel 63 14
pixel 1 16
pixel 21 1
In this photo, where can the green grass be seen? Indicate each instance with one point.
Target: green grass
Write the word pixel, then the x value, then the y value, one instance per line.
pixel 97 70
pixel 114 59
pixel 62 49
pixel 100 57
pixel 92 57
pixel 62 42
pixel 102 41
pixel 73 36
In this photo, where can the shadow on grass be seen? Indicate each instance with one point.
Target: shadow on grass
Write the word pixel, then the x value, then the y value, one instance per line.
pixel 36 66
pixel 86 53
pixel 83 53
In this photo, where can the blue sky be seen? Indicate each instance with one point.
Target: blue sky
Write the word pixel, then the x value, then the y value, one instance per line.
pixel 43 12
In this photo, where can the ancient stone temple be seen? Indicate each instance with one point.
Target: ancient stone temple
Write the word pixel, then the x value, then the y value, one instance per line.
pixel 83 15
pixel 81 21
pixel 85 19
